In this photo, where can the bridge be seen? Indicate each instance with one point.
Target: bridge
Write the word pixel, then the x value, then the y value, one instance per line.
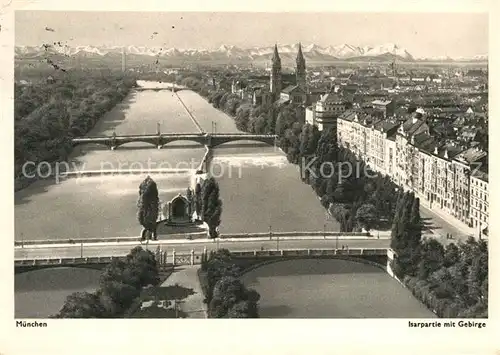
pixel 34 256
pixel 159 140
pixel 192 257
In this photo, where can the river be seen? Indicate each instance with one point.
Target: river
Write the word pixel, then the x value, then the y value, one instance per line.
pixel 260 190
pixel 331 288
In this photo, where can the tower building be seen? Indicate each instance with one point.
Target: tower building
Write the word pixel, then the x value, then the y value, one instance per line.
pixel 301 70
pixel 275 80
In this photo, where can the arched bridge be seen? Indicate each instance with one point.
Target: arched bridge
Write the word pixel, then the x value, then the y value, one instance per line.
pixel 380 256
pixel 159 140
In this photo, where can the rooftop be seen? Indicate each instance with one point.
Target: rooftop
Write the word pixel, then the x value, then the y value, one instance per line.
pixel 386 125
pixel 381 102
pixel 291 88
pixel 471 155
pixel 479 174
pixel 331 98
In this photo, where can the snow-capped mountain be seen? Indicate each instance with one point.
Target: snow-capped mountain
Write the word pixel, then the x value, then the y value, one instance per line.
pixel 446 58
pixel 287 52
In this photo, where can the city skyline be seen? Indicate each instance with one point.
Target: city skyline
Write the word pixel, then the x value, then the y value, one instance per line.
pixel 245 30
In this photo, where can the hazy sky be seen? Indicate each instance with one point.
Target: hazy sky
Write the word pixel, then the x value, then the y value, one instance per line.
pixel 422 34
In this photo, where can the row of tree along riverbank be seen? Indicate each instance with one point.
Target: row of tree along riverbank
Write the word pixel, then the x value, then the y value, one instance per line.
pixel 49 113
pixel 453 280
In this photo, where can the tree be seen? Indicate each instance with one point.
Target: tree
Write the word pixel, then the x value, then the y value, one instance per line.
pixel 227 292
pixel 367 216
pixel 414 224
pixel 117 297
pixel 432 258
pixel 231 299
pixel 114 271
pixel 326 147
pixel 340 193
pixel 197 200
pixel 451 255
pixel 309 137
pixel 141 268
pixel 148 205
pixel 243 309
pixel 211 208
pixel 82 305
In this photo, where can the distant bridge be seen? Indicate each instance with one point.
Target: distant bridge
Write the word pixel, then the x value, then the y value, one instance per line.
pixel 159 140
pixel 173 89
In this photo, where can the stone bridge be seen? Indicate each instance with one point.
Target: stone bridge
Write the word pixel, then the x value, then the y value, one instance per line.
pixel 377 256
pixel 159 140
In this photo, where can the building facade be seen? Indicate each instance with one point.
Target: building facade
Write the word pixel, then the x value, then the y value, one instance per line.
pixel 479 202
pixel 327 109
pixel 443 175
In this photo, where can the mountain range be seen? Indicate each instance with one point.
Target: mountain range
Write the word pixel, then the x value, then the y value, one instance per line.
pixel 312 52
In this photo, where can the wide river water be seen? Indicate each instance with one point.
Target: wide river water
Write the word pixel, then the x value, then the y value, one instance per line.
pixel 259 189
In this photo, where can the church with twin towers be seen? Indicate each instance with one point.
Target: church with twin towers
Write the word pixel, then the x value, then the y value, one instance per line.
pixel 293 92
pixel 296 90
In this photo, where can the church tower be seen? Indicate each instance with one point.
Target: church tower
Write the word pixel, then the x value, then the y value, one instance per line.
pixel 275 82
pixel 301 69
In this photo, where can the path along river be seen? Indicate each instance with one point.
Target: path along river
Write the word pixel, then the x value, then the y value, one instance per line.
pixel 259 189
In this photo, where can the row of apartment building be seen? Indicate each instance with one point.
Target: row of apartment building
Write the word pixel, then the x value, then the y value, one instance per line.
pixel 445 176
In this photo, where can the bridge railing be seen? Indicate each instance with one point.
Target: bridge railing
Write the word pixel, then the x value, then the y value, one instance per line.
pixel 272 235
pixel 168 135
pixel 295 234
pixel 310 252
pixel 53 261
pixel 151 135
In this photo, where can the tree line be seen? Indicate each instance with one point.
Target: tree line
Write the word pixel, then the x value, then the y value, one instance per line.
pixel 225 294
pixel 120 284
pixel 453 280
pixel 48 113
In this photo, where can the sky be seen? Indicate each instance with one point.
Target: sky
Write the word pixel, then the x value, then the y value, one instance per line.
pixel 422 34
